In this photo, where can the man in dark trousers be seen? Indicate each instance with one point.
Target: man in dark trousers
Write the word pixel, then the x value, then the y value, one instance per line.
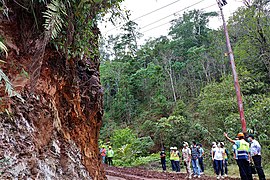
pixel 255 152
pixel 243 156
pixel 163 159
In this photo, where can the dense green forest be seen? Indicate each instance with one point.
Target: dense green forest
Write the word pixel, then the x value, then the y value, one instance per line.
pixel 180 87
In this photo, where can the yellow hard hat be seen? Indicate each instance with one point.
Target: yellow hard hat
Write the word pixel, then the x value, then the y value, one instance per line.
pixel 103 146
pixel 110 146
pixel 240 134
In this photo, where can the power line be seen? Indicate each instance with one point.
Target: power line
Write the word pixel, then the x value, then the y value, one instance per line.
pixel 148 13
pixel 170 21
pixel 156 10
pixel 172 14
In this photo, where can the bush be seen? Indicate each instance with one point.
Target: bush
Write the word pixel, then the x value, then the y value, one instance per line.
pixel 129 148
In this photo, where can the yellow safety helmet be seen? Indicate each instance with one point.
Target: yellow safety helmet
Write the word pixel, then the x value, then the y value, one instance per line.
pixel 240 134
pixel 110 146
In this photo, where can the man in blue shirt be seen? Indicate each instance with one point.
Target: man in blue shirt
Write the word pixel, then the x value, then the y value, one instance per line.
pixel 255 152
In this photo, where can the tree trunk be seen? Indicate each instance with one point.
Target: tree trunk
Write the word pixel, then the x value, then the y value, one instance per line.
pixel 54 133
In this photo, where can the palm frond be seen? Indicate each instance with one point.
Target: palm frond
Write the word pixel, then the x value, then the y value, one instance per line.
pixel 3 48
pixel 53 18
pixel 9 89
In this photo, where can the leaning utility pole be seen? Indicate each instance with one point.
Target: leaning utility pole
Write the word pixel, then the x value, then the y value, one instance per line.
pixel 235 77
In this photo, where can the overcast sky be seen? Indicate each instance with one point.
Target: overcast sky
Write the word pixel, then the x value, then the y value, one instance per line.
pixel 165 15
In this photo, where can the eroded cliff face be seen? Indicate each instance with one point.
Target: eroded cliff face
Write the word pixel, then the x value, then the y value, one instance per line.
pixel 54 133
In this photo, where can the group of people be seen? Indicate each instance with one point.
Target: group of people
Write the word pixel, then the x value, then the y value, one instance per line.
pixel 106 156
pixel 190 156
pixel 245 150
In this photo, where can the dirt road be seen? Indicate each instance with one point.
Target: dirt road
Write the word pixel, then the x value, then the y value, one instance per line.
pixel 116 173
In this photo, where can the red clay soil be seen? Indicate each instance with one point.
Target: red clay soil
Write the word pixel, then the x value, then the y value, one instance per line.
pixel 140 173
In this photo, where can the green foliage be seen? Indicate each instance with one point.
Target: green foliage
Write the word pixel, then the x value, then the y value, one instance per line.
pixel 128 147
pixel 3 48
pixel 122 137
pixel 9 89
pixel 53 20
pixel 179 87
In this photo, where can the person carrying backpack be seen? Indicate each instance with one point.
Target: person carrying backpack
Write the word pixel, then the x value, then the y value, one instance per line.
pixel 195 160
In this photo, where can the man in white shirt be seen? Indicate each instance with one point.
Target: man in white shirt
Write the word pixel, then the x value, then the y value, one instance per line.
pixel 255 152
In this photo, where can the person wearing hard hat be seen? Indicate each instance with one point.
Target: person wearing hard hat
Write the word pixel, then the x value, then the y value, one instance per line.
pixel 243 156
pixel 186 155
pixel 110 156
pixel 172 158
pixel 103 154
pixel 176 158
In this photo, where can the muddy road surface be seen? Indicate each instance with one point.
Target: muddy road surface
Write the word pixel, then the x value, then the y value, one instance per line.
pixel 117 173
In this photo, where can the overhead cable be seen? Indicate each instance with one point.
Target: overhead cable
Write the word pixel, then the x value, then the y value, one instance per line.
pixel 147 14
pixel 172 14
pixel 170 21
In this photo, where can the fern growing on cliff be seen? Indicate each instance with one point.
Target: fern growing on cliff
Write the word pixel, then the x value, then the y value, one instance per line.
pixel 53 20
pixel 3 48
pixel 9 89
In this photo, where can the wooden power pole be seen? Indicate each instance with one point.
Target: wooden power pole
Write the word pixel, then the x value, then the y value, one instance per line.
pixel 235 77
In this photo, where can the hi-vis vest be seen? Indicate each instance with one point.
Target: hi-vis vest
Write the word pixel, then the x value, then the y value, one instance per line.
pixel 110 153
pixel 175 156
pixel 225 155
pixel 171 156
pixel 242 150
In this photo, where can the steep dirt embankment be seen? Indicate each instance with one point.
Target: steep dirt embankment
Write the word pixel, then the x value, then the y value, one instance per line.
pixel 54 133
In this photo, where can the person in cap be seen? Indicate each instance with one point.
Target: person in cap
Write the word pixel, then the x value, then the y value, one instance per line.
pixel 243 156
pixel 186 155
pixel 217 158
pixel 195 160
pixel 176 157
pixel 255 152
pixel 163 159
pixel 110 156
pixel 172 158
pixel 103 154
